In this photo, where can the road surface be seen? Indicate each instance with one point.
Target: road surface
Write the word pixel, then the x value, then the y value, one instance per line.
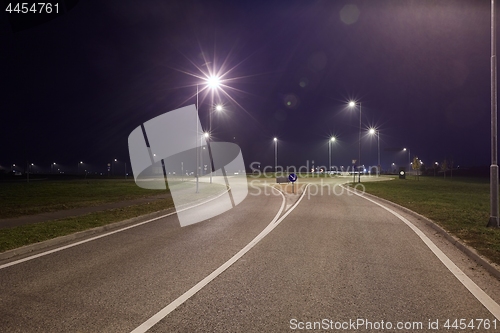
pixel 327 259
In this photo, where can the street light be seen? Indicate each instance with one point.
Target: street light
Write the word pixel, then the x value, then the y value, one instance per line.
pixel 113 167
pixel 332 139
pixel 372 132
pixel 409 163
pixel 275 155
pixel 78 167
pixel 352 104
pixel 493 221
pixel 213 83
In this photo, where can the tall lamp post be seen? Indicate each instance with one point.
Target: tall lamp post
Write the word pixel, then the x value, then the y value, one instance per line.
pixel 197 156
pixel 212 82
pixel 373 131
pixel 275 155
pixel 332 139
pixel 493 221
pixel 409 161
pixel 352 104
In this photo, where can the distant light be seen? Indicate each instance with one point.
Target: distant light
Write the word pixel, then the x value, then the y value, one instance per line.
pixel 218 107
pixel 352 104
pixel 332 139
pixel 82 162
pixel 404 149
pixel 206 135
pixel 275 139
pixel 116 160
pixel 372 131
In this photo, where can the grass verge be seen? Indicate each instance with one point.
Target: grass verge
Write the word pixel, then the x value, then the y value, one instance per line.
pixel 33 233
pixel 459 205
pixel 19 199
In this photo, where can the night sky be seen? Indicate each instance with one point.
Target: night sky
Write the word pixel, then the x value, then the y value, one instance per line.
pixel 73 89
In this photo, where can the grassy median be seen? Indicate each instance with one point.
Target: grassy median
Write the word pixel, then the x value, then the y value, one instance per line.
pixel 21 199
pixel 12 238
pixel 35 197
pixel 459 205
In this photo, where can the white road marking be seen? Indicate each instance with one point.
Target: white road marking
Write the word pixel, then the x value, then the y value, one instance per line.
pixel 103 235
pixel 481 296
pixel 184 297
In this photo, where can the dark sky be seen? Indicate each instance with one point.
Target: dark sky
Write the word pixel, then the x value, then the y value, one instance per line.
pixel 75 87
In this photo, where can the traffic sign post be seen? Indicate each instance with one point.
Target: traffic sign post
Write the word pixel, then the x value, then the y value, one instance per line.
pixel 402 173
pixel 292 178
pixel 353 171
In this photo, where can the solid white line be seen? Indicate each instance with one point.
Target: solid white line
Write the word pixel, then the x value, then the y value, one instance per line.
pixel 184 297
pixel 481 296
pixel 101 236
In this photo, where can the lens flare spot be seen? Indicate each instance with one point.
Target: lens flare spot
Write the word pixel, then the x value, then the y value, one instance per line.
pixel 349 14
pixel 290 101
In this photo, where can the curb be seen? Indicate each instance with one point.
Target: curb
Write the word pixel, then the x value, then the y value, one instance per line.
pixel 492 268
pixel 80 234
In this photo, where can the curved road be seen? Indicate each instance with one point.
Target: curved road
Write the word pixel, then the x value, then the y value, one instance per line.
pixel 333 261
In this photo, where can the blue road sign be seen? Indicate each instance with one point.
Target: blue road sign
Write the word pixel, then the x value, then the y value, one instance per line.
pixel 292 177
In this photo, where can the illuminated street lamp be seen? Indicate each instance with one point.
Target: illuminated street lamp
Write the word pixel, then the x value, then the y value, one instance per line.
pixel 213 83
pixel 113 167
pixel 352 104
pixel 275 155
pixel 409 163
pixel 372 132
pixel 218 108
pixel 332 139
pixel 78 167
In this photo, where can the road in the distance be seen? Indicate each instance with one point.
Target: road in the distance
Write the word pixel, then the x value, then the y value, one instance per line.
pixel 335 256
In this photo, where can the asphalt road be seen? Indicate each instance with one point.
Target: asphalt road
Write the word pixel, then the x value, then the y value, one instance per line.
pixel 336 259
